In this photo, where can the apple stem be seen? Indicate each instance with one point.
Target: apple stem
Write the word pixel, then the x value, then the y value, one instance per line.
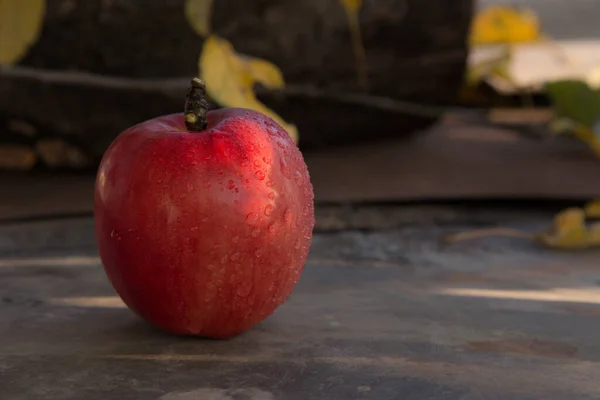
pixel 196 106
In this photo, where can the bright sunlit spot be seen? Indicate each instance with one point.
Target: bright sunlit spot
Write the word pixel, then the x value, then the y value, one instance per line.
pixel 571 295
pixel 64 261
pixel 88 301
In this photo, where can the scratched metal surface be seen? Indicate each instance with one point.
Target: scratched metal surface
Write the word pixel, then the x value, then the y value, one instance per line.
pixel 383 314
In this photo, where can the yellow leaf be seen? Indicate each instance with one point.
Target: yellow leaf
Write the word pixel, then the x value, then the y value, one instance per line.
pixel 198 13
pixel 263 72
pixel 505 24
pixel 568 231
pixel 594 235
pixel 20 24
pixel 351 6
pixel 592 209
pixel 497 66
pixel 230 78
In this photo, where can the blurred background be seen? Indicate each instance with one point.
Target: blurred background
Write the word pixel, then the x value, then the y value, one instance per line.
pixel 453 148
pixel 390 101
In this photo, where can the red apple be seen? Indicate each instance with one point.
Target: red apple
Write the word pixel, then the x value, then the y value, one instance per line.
pixel 204 219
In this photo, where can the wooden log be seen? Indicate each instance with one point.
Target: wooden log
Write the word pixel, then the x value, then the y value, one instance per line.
pixel 415 51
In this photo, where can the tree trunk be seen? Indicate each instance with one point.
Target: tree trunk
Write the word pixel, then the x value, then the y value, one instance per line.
pixel 100 66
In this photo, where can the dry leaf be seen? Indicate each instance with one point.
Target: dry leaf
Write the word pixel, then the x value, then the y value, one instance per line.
pixel 505 24
pixel 20 25
pixel 496 66
pixel 198 13
pixel 263 72
pixel 592 209
pixel 501 25
pixel 351 6
pixel 569 231
pixel 230 78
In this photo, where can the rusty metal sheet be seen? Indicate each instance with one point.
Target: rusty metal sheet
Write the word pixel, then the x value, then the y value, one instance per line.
pixel 377 315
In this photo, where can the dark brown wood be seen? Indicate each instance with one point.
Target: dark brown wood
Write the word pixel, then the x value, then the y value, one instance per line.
pixel 415 49
pixel 90 110
pixel 451 162
pixel 457 161
pixel 308 39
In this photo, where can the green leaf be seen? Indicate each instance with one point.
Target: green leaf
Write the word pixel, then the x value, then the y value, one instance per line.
pixel 576 101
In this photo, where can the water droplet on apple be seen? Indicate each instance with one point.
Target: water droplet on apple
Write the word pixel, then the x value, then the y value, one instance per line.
pixel 298 179
pixel 260 175
pixel 255 232
pixel 268 209
pixel 230 184
pixel 257 163
pixel 297 244
pixel 235 256
pixel 247 180
pixel 258 253
pixel 207 185
pixel 235 239
pixel 251 218
pixel 308 193
pixel 287 215
pixel 220 182
pixel 270 183
pixel 244 163
pixel 271 195
pixel 220 173
pixel 224 259
pixel 284 168
pixel 115 235
pixel 236 202
pixel 244 289
pixel 272 227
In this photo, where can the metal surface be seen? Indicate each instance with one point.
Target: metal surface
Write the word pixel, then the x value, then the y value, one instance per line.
pixel 381 315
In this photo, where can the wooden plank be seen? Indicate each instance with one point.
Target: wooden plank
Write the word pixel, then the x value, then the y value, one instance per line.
pixel 457 161
pixel 380 315
pixel 452 161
